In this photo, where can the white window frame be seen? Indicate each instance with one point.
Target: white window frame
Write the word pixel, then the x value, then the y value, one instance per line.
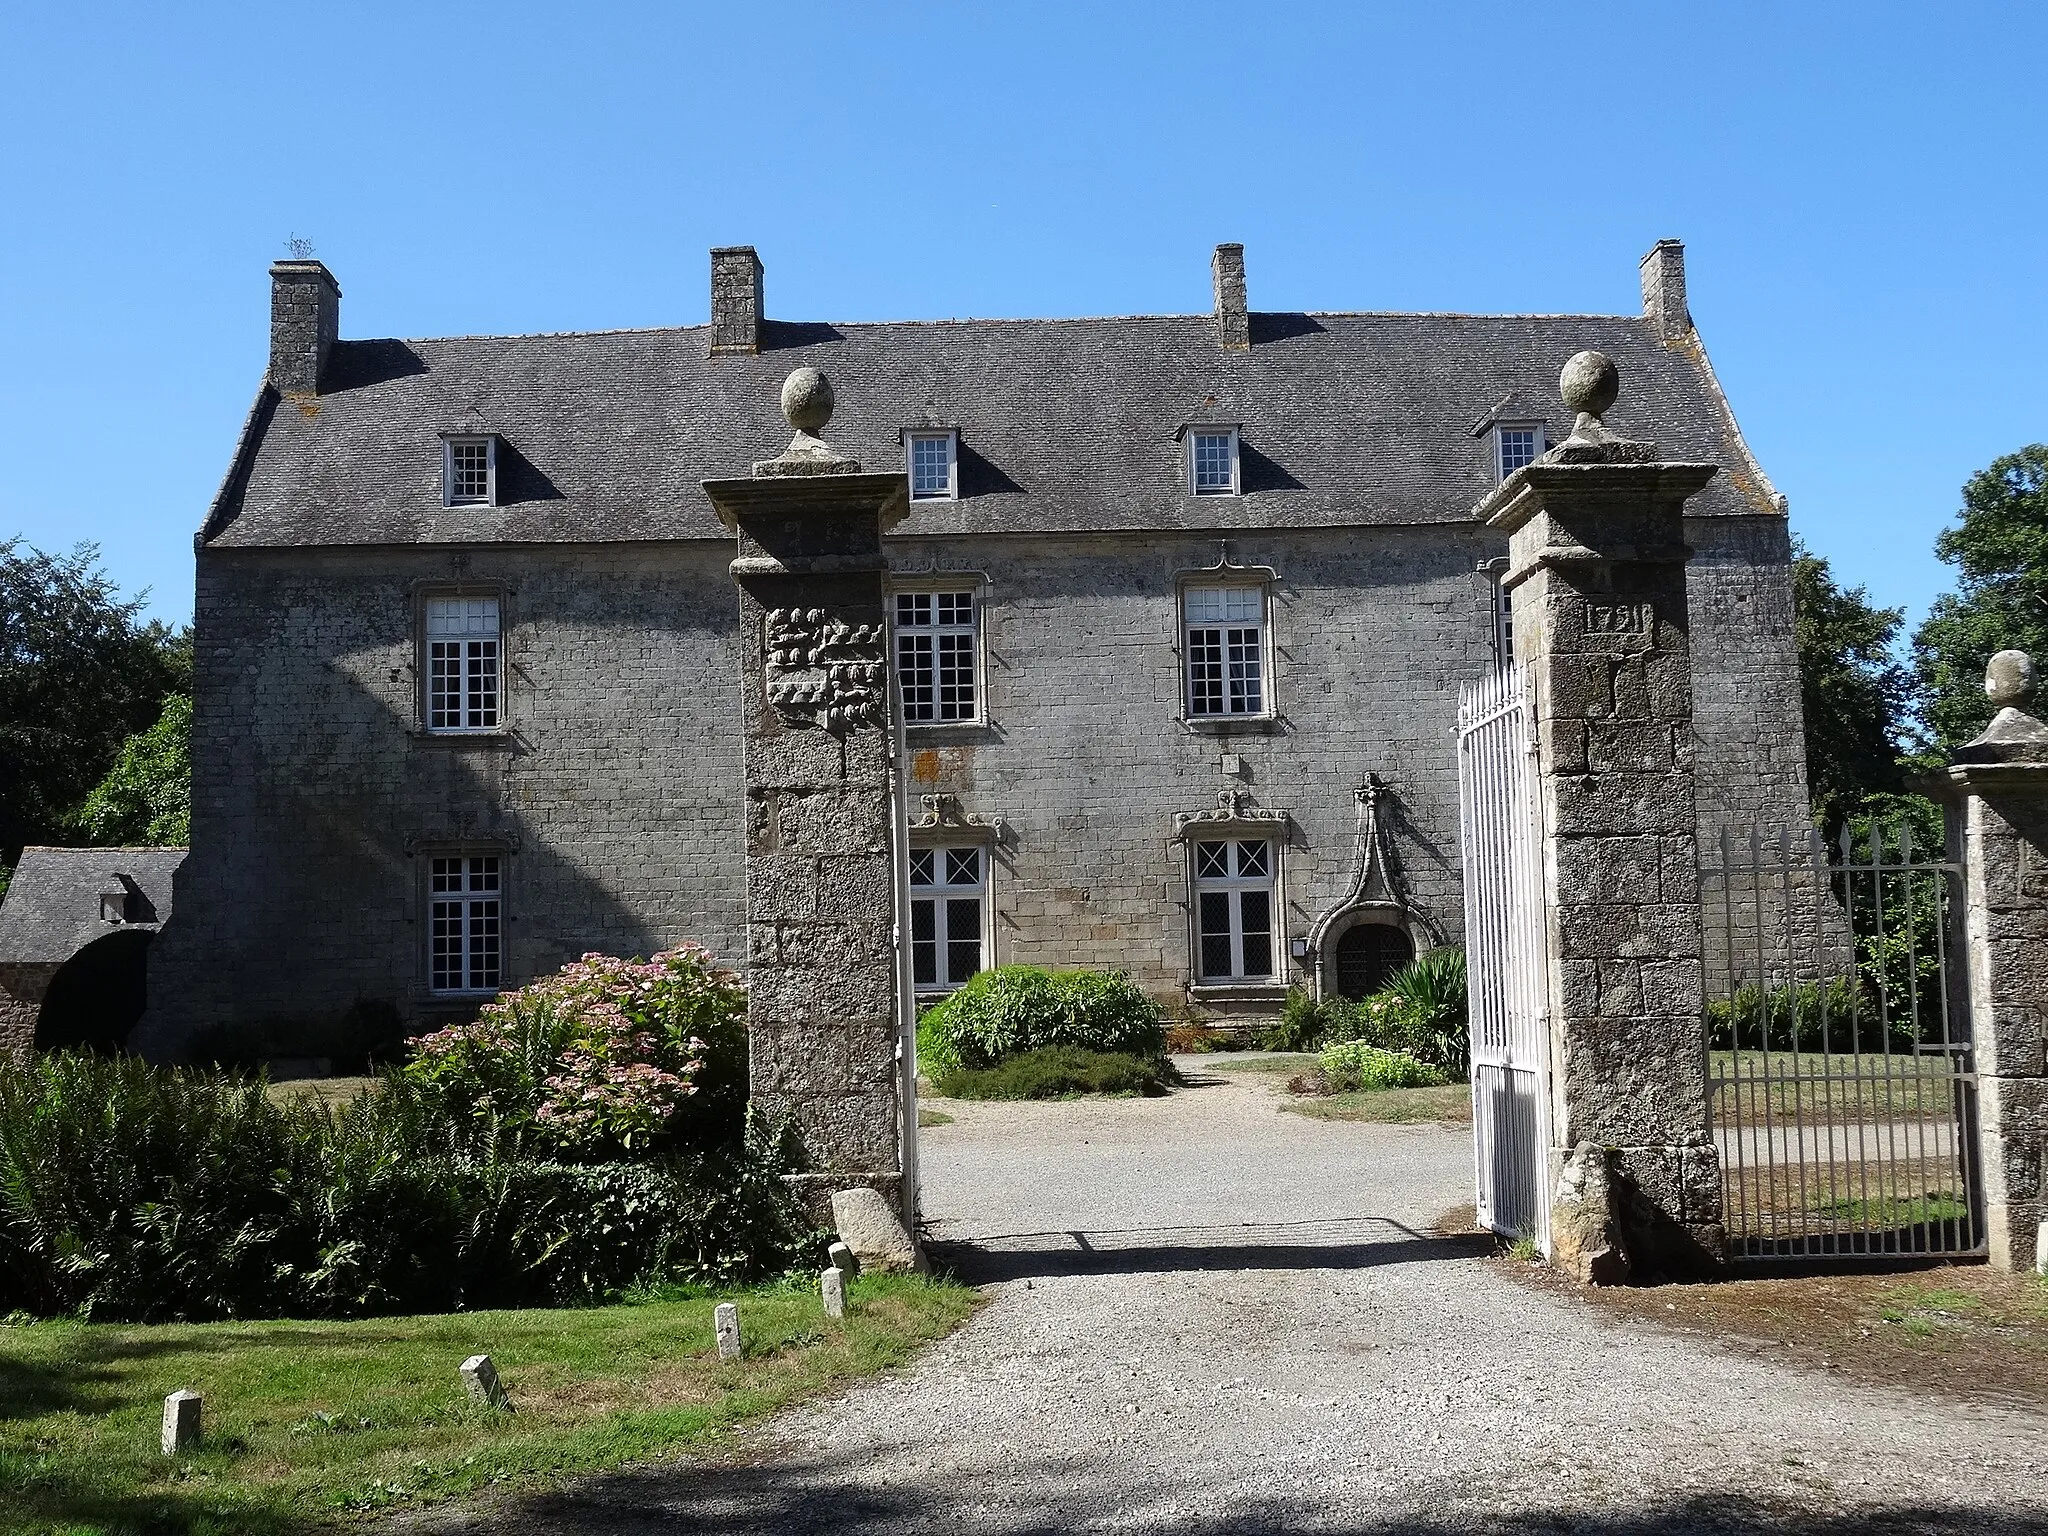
pixel 1230 651
pixel 951 440
pixel 449 443
pixel 466 888
pixel 1500 444
pixel 932 867
pixel 939 634
pixel 471 649
pixel 1230 887
pixel 1195 436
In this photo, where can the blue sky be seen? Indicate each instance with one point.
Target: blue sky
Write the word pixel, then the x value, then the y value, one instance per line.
pixel 1860 191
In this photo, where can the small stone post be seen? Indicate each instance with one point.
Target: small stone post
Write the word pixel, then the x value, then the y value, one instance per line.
pixel 1596 573
pixel 480 1380
pixel 181 1421
pixel 1997 787
pixel 725 1322
pixel 822 1003
pixel 832 1289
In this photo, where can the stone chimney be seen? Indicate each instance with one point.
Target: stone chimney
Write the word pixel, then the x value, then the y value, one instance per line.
pixel 1664 290
pixel 305 317
pixel 1233 322
pixel 735 300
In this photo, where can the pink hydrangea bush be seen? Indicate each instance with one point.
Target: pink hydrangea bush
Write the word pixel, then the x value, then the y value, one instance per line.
pixel 600 1059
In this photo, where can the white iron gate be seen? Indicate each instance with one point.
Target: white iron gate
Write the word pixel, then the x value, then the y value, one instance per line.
pixel 1504 949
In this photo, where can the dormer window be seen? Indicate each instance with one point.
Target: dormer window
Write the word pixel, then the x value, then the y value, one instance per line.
pixel 934 465
pixel 1212 461
pixel 469 471
pixel 1515 446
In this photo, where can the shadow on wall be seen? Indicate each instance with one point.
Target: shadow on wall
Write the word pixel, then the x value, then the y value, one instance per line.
pixel 300 925
pixel 99 994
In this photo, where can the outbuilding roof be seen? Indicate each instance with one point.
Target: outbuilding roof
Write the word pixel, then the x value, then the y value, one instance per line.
pixel 54 906
pixel 1065 425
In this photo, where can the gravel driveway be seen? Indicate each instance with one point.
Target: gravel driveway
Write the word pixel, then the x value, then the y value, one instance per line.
pixel 1211 1316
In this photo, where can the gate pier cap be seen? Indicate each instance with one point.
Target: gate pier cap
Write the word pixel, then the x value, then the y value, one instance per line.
pixel 1597 587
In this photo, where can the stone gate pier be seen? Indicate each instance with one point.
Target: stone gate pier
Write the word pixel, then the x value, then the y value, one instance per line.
pixel 1597 583
pixel 825 1007
pixel 1997 794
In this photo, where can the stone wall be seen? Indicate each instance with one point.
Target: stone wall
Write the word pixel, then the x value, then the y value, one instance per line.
pixel 616 791
pixel 22 987
pixel 1747 712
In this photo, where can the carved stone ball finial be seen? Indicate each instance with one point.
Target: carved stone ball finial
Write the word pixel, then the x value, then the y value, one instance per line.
pixel 807 400
pixel 2009 680
pixel 1590 383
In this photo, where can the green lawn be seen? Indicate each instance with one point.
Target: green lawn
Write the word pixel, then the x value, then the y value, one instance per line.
pixel 1446 1104
pixel 311 1423
pixel 1289 1062
pixel 1830 1089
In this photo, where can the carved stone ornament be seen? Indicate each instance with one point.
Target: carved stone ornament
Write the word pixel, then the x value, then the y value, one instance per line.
pixel 1232 814
pixel 824 672
pixel 1375 886
pixel 942 813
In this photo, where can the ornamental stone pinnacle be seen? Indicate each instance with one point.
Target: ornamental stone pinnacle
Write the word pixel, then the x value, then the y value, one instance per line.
pixel 807 403
pixel 2015 734
pixel 2009 680
pixel 1590 384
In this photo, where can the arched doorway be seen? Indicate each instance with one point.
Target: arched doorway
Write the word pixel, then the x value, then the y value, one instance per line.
pixel 1367 955
pixel 96 999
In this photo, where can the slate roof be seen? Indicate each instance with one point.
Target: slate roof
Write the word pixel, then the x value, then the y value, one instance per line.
pixel 1065 425
pixel 52 908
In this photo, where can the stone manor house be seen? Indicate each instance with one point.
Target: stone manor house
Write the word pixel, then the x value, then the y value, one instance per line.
pixel 1181 604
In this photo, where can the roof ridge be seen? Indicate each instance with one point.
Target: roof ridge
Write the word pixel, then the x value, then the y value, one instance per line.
pixel 1318 314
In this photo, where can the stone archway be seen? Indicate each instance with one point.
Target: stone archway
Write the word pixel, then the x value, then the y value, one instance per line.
pixel 1366 955
pixel 1370 931
pixel 99 994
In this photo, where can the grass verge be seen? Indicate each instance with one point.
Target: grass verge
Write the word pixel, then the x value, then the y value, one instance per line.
pixel 1060 1072
pixel 312 1424
pixel 1962 1330
pixel 1290 1062
pixel 1445 1104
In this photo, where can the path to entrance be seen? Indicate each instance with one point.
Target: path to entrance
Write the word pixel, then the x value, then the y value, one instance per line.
pixel 1210 1316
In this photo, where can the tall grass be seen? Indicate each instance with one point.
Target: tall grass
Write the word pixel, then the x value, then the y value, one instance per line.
pixel 130 1192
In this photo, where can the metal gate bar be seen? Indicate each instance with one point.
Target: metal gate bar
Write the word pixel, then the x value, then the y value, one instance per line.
pixel 1507 980
pixel 1842 1084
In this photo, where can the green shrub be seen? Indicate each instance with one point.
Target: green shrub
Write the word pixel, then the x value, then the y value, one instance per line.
pixel 1303 1022
pixel 1354 1065
pixel 1421 1012
pixel 606 1059
pixel 1018 1008
pixel 128 1192
pixel 1836 1015
pixel 1058 1072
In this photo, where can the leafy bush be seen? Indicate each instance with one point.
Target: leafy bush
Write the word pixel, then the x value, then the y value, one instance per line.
pixel 1420 1012
pixel 1018 1008
pixel 1303 1022
pixel 1835 1015
pixel 1355 1065
pixel 1059 1072
pixel 130 1192
pixel 607 1058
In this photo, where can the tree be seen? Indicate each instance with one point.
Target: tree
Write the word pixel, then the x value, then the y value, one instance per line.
pixel 79 674
pixel 1999 546
pixel 1855 695
pixel 146 796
